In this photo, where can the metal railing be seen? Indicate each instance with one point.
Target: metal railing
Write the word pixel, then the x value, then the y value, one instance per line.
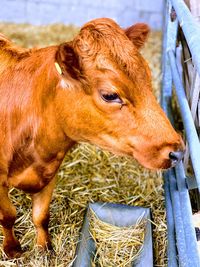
pixel 182 243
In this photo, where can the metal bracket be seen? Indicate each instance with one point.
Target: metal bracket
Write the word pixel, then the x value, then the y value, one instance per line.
pixel 191 182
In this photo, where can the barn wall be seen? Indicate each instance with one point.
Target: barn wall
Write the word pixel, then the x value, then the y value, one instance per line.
pixel 77 12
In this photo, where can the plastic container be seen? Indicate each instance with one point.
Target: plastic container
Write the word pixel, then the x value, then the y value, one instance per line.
pixel 121 216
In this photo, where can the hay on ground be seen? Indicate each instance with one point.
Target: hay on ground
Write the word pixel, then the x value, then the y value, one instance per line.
pixel 116 246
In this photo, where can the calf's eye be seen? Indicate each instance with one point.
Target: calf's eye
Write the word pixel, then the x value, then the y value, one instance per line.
pixel 111 97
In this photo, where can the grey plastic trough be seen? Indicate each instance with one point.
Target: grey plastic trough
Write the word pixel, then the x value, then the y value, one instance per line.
pixel 119 215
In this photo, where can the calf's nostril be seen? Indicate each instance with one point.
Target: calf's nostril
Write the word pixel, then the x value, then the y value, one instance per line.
pixel 176 156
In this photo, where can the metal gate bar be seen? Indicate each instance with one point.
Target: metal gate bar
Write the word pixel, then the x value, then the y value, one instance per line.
pixel 182 244
pixel 171 252
pixel 190 28
pixel 178 219
pixel 189 230
pixel 191 133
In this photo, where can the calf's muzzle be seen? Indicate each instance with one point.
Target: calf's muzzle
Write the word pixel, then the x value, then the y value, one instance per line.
pixel 176 156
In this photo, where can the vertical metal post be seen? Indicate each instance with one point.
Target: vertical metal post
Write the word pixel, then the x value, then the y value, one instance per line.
pixel 179 227
pixel 190 28
pixel 182 243
pixel 169 42
pixel 191 134
pixel 171 251
pixel 186 210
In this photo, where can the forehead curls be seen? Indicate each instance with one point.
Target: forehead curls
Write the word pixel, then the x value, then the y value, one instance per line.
pixel 104 36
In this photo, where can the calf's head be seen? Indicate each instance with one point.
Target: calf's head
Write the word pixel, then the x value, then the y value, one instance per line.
pixel 105 95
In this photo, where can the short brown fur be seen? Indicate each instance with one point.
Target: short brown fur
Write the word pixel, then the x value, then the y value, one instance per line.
pixel 43 113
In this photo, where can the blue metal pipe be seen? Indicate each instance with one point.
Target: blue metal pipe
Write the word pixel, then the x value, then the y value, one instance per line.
pixel 186 213
pixel 171 246
pixel 186 210
pixel 178 206
pixel 191 134
pixel 180 233
pixel 190 28
pixel 169 43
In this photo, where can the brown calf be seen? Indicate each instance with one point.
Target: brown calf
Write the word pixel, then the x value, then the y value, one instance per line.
pixel 96 88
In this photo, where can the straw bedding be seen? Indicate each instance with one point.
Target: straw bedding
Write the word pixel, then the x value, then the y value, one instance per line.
pixel 86 175
pixel 116 246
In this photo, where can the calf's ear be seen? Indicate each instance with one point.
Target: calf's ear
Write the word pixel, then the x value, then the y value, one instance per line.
pixel 138 34
pixel 67 61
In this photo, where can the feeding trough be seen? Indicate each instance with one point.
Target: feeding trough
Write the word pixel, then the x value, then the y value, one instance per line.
pixel 117 215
